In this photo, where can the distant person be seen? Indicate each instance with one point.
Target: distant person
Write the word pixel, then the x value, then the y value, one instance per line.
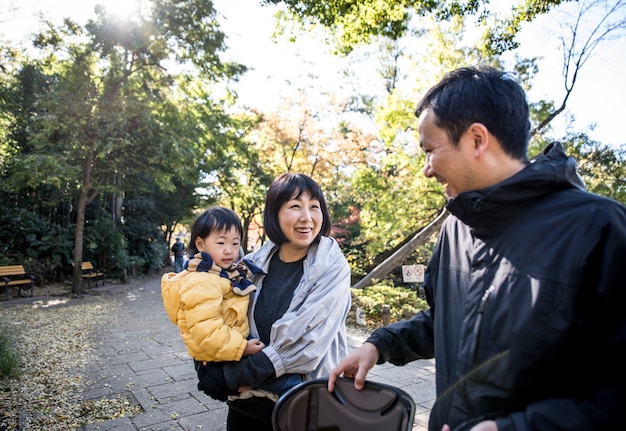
pixel 527 318
pixel 209 299
pixel 300 307
pixel 179 251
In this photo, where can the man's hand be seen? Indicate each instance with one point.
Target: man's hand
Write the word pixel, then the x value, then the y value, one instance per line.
pixel 481 426
pixel 356 364
pixel 485 426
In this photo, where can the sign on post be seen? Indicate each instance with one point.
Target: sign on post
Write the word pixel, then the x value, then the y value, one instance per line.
pixel 413 273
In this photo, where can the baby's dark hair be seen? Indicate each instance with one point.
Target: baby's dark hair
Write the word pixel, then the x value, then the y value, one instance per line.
pixel 219 219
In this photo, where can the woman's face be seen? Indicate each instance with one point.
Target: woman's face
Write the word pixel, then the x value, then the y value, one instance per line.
pixel 301 220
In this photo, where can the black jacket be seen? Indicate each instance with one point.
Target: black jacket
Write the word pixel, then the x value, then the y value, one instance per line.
pixel 178 248
pixel 528 306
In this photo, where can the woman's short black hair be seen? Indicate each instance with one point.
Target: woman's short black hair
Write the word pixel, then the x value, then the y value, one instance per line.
pixel 284 188
pixel 220 219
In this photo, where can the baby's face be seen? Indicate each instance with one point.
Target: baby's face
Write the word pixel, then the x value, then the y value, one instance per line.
pixel 222 246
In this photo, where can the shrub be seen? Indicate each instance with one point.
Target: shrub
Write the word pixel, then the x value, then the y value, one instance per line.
pixel 105 245
pixel 20 233
pixel 27 238
pixel 145 243
pixel 403 303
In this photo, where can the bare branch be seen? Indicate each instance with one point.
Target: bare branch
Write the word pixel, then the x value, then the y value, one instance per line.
pixel 610 19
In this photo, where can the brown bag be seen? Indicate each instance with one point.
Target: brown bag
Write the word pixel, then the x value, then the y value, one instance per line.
pixel 310 407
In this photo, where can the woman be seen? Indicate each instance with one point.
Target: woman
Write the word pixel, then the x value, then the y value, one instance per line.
pixel 299 308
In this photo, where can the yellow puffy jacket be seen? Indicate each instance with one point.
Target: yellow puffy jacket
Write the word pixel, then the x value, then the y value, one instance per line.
pixel 212 318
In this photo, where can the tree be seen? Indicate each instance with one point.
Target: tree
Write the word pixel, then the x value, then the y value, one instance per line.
pixel 602 167
pixel 311 134
pixel 390 191
pixel 358 22
pixel 108 77
pixel 593 23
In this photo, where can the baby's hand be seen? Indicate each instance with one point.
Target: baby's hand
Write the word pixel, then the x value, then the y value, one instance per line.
pixel 254 346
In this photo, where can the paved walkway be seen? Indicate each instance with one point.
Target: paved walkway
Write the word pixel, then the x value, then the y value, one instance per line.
pixel 141 356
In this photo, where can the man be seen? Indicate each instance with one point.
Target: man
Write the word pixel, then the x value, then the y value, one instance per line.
pixel 527 318
pixel 179 250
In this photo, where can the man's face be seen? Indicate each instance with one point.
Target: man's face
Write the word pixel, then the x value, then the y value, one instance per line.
pixel 451 165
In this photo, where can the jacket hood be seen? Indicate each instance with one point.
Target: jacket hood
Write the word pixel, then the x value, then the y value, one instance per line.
pixel 489 210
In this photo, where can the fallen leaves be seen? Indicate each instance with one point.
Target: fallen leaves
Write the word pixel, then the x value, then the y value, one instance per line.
pixel 55 345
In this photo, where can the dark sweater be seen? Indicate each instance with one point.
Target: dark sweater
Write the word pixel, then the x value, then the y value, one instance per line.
pixel 274 299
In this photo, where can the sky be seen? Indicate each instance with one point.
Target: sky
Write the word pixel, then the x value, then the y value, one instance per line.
pixel 598 95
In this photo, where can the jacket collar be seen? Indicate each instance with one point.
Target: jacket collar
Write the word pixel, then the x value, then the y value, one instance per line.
pixel 489 210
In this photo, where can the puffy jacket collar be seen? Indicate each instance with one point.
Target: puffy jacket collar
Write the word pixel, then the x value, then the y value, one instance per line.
pixel 489 210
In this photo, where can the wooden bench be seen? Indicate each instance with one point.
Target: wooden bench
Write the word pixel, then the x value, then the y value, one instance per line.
pixel 15 275
pixel 91 273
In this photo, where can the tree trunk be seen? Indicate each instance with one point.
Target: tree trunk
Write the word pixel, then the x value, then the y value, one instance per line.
pixel 396 259
pixel 77 280
pixel 77 286
pixel 244 240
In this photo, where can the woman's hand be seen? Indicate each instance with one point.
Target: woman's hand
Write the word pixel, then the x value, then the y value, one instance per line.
pixel 213 383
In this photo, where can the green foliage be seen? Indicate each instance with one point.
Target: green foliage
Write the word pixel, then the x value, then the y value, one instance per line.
pixel 190 30
pixel 602 167
pixel 145 238
pixel 98 118
pixel 105 245
pixel 27 239
pixel 9 355
pixel 99 123
pixel 358 22
pixel 20 234
pixel 403 302
pixel 46 250
pixel 394 202
pixel 501 34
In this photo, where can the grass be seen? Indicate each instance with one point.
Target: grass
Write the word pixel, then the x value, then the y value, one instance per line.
pixel 9 355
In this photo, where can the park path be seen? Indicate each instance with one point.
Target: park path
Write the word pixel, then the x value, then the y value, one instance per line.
pixel 139 354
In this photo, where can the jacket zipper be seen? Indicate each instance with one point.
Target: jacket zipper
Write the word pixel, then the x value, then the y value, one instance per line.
pixel 479 320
